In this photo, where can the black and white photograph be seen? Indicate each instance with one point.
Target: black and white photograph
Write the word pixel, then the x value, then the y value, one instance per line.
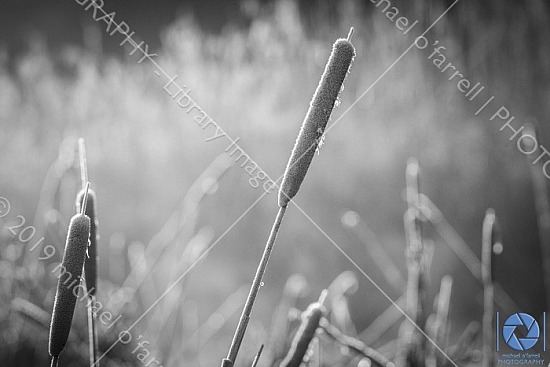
pixel 274 183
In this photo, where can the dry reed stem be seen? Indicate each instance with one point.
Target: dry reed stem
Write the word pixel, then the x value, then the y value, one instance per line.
pixel 296 285
pixel 463 251
pixel 311 318
pixel 87 202
pixel 461 350
pixel 542 206
pixel 353 344
pixel 181 222
pixel 257 357
pixel 439 325
pixel 380 257
pixel 411 350
pixel 338 305
pixel 490 239
pixel 383 322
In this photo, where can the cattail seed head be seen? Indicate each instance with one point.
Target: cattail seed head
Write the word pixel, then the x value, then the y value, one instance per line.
pixel 69 277
pixel 316 118
pixel 305 334
pixel 90 263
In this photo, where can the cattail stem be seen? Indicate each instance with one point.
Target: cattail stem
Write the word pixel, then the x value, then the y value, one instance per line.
pixel 542 207
pixel 83 162
pixel 85 200
pixel 54 361
pixel 256 283
pixel 90 265
pixel 258 355
pixel 350 33
pixel 92 335
pixel 491 237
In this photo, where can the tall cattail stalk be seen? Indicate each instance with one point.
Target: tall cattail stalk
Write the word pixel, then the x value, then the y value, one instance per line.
pixel 309 138
pixel 542 205
pixel 491 246
pixel 311 319
pixel 70 276
pixel 90 264
pixel 411 350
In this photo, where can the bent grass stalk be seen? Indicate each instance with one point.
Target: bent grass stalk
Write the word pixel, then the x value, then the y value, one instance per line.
pixel 309 139
pixel 354 344
pixel 339 290
pixel 296 286
pixel 90 263
pixel 72 264
pixel 462 349
pixel 306 332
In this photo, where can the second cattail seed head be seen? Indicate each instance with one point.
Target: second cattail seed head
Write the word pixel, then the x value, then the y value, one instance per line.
pixel 69 278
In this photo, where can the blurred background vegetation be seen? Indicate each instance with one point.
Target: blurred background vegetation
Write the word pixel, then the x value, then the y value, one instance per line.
pixel 253 67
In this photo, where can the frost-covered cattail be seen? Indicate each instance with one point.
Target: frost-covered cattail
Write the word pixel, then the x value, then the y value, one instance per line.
pixel 69 277
pixel 308 141
pixel 317 117
pixel 305 334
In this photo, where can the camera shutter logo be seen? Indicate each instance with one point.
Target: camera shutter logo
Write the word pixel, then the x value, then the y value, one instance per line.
pixel 521 331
